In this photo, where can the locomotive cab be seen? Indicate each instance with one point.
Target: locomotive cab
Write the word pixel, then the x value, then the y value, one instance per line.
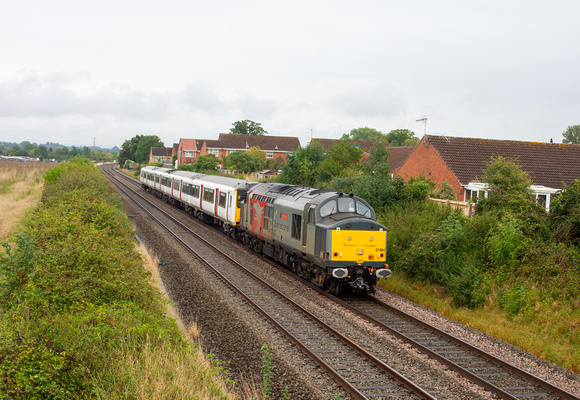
pixel 350 243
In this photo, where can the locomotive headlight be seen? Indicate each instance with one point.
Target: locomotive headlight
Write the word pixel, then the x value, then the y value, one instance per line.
pixel 361 251
pixel 350 238
pixel 383 273
pixel 372 238
pixel 339 272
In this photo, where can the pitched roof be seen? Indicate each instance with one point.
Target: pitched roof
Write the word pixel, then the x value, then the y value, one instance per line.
pixel 398 155
pixel 188 144
pixel 547 164
pixel 265 143
pixel 161 151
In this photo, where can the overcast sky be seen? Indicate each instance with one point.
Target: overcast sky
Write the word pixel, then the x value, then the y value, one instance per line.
pixel 77 71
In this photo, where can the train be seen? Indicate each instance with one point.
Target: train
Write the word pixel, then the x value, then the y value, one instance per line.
pixel 329 238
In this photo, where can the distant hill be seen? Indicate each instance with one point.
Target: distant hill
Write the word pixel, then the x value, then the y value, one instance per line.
pixel 54 146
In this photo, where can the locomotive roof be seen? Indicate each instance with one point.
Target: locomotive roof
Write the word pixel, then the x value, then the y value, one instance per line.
pixel 294 193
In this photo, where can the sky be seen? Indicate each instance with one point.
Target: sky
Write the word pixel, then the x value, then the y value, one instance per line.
pixel 84 72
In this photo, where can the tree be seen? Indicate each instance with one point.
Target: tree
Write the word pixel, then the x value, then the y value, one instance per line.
pixel 206 163
pixel 143 149
pixel 138 148
pixel 343 156
pixel 509 187
pixel 572 135
pixel 244 161
pixel 301 167
pixel 364 133
pixel 397 137
pixel 247 127
pixel 257 152
pixel 566 213
pixel 378 163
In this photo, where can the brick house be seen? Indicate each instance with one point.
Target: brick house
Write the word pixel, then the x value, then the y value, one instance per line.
pixel 273 146
pixel 188 150
pixel 398 153
pixel 461 162
pixel 161 155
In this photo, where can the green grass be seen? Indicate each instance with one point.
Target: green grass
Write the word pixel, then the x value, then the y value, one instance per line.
pixel 553 333
pixel 96 327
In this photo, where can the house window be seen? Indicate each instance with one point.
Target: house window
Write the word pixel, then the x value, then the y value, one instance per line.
pixel 189 153
pixel 270 154
pixel 214 151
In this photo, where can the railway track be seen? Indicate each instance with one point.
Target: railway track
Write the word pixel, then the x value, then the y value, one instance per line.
pixel 497 376
pixel 357 371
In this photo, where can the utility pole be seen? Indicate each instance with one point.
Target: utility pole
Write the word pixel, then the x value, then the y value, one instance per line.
pixel 424 119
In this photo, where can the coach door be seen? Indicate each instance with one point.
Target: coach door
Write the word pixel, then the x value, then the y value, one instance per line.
pixel 309 230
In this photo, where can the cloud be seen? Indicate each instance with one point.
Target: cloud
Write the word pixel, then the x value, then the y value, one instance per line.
pixel 257 108
pixel 371 101
pixel 62 94
pixel 201 96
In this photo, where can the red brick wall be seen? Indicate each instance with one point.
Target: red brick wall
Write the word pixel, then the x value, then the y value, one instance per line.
pixel 426 161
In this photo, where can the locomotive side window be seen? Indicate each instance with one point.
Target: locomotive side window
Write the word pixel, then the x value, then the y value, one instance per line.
pixel 362 209
pixel 296 226
pixel 311 215
pixel 346 205
pixel 223 199
pixel 208 195
pixel 328 208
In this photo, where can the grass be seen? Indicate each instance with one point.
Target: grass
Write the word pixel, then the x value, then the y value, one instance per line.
pixel 20 191
pixel 553 334
pixel 97 327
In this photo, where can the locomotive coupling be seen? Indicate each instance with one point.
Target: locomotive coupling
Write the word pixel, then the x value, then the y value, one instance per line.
pixel 359 286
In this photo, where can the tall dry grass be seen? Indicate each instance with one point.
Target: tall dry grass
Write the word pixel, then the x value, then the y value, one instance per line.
pixel 20 191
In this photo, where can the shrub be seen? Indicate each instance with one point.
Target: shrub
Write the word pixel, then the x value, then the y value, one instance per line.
pixel 505 241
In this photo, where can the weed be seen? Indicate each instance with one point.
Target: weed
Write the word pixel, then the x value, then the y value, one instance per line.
pixel 267 370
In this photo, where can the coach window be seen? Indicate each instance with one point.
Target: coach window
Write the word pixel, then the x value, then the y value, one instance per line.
pixel 296 226
pixel 208 195
pixel 196 191
pixel 223 199
pixel 241 198
pixel 176 184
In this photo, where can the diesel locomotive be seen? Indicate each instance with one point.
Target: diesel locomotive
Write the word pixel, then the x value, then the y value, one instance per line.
pixel 327 237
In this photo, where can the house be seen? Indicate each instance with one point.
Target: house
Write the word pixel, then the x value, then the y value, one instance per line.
pixel 273 146
pixel 188 150
pixel 161 155
pixel 461 162
pixel 398 153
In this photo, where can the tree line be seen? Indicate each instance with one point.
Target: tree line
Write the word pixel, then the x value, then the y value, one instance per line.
pixel 61 153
